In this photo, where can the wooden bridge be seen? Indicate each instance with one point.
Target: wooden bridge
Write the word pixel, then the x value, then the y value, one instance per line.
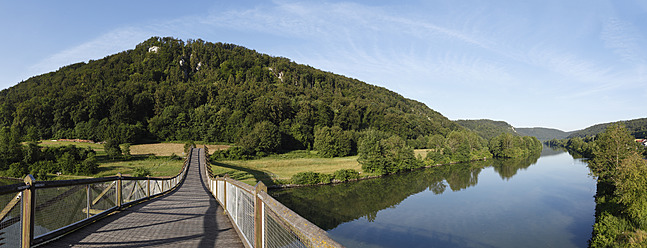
pixel 184 211
pixel 187 217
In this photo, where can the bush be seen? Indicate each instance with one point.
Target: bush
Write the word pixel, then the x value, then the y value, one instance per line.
pixel 346 174
pixel 141 172
pixel 310 178
pixel 233 153
pixel 174 157
pixel 112 148
pixel 126 152
pixel 187 146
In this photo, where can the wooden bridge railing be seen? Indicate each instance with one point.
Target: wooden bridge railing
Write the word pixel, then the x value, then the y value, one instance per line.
pixel 37 211
pixel 260 220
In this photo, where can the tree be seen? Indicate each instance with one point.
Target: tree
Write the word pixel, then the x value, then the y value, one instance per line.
pixel 631 187
pixel 112 148
pixel 611 148
pixel 126 151
pixel 332 142
pixel 264 138
pixel 384 154
pixel 622 190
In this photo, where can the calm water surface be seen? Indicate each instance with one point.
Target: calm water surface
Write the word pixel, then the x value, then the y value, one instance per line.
pixel 543 201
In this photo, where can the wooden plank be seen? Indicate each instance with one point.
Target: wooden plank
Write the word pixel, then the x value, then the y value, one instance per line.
pixel 10 206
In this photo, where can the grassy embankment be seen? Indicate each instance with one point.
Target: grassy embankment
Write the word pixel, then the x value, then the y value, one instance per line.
pixel 280 168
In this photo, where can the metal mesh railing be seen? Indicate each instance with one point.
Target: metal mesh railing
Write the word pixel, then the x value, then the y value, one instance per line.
pixel 10 219
pixel 60 206
pixel 262 221
pixel 278 233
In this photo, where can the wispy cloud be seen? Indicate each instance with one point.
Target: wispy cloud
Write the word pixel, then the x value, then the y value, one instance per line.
pixel 624 40
pixel 109 43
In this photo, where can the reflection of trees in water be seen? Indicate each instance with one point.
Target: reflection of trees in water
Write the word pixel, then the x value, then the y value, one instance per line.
pixel 330 205
pixel 507 168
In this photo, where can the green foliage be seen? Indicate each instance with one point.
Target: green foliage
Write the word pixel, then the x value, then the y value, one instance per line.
pixel 637 128
pixel 621 199
pixel 458 146
pixel 487 129
pixel 126 151
pixel 112 148
pixel 197 90
pixel 264 138
pixel 607 229
pixel 542 134
pixel 612 147
pixel 510 146
pixel 10 148
pixel 345 175
pixel 141 172
pixel 188 145
pixel 384 154
pixel 332 142
pixel 576 146
pixel 310 178
pixel 176 157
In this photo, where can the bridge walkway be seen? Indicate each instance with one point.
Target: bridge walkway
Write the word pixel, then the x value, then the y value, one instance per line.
pixel 188 217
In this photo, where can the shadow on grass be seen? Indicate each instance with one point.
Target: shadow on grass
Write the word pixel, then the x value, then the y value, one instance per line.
pixel 242 174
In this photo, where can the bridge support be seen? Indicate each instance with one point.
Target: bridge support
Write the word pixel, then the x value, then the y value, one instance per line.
pixel 259 214
pixel 119 196
pixel 28 209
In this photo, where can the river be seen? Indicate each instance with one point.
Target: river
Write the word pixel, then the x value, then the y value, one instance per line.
pixel 542 201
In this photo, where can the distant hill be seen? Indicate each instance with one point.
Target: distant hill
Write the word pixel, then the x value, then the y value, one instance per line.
pixel 168 89
pixel 637 128
pixel 487 129
pixel 543 134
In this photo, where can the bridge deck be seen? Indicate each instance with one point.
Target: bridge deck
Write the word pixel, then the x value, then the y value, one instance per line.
pixel 188 217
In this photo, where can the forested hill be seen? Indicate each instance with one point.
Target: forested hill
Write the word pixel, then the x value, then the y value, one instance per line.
pixel 168 89
pixel 637 128
pixel 487 129
pixel 543 134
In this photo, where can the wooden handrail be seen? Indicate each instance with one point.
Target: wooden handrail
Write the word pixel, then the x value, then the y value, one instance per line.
pixel 26 192
pixel 308 233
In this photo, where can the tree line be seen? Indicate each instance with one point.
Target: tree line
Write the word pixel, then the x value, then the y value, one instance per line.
pixel 618 162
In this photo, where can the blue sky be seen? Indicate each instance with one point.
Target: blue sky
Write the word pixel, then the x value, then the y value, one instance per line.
pixel 559 64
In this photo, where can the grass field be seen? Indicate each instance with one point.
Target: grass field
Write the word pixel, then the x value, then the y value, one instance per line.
pixel 282 168
pixel 159 166
pixel 166 149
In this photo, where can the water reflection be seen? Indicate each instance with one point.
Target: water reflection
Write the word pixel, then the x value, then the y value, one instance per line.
pixel 330 206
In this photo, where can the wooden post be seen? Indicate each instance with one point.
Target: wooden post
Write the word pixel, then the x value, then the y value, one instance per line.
pixel 148 182
pixel 258 215
pixel 224 194
pixel 87 194
pixel 119 199
pixel 28 210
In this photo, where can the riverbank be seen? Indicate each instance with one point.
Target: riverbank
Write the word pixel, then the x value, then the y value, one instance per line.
pixel 276 170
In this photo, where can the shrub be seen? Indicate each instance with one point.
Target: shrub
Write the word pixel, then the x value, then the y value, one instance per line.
pixel 126 151
pixel 346 174
pixel 141 172
pixel 310 178
pixel 187 146
pixel 175 157
pixel 112 148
